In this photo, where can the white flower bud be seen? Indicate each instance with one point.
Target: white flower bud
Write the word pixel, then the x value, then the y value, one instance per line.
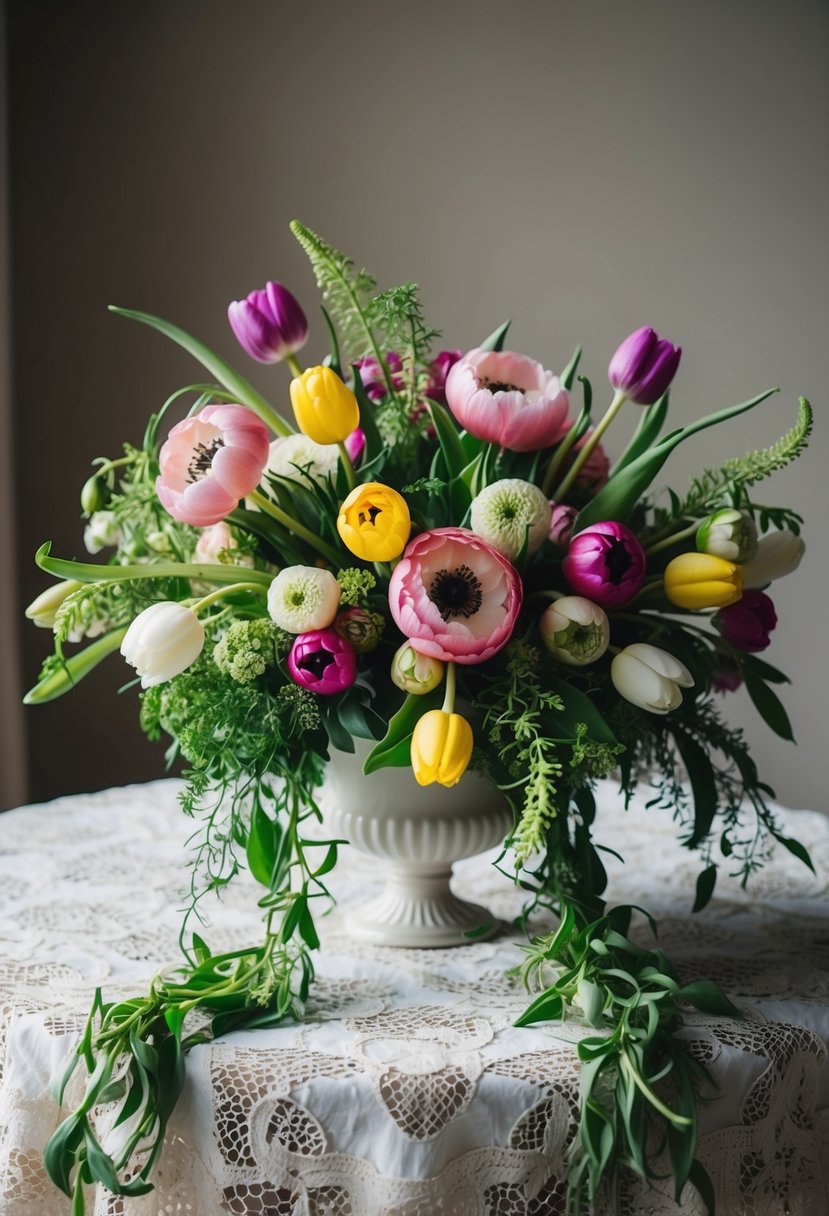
pixel 43 611
pixel 102 532
pixel 216 540
pixel 293 453
pixel 575 630
pixel 778 554
pixel 302 598
pixel 163 640
pixel 503 512
pixel 730 534
pixel 414 672
pixel 650 678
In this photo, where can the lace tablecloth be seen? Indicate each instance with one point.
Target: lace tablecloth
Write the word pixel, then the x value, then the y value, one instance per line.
pixel 407 1092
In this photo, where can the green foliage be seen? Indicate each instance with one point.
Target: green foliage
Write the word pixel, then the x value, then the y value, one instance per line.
pixel 355 586
pixel 247 649
pixel 347 292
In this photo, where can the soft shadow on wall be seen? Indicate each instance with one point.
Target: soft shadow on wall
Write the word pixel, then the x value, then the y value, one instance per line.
pixel 585 170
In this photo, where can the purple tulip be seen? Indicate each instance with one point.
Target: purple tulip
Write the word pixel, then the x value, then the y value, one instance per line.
pixel 322 662
pixel 605 563
pixel 644 366
pixel 748 623
pixel 269 324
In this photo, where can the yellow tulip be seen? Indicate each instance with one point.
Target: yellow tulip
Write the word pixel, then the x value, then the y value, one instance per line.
pixel 441 748
pixel 325 408
pixel 700 580
pixel 374 522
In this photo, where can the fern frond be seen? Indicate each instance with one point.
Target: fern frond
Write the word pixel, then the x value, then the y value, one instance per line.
pixel 709 489
pixel 347 292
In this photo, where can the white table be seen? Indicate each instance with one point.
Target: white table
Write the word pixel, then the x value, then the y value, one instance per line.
pixel 407 1092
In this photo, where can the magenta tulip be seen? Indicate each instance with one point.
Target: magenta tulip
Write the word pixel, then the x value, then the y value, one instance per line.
pixel 270 324
pixel 605 563
pixel 438 370
pixel 323 662
pixel 210 461
pixel 508 399
pixel 747 625
pixel 644 366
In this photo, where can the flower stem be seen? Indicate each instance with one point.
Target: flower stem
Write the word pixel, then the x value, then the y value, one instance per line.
pixel 671 540
pixel 448 706
pixel 556 461
pixel 221 591
pixel 294 526
pixel 293 364
pixel 345 459
pixel 613 409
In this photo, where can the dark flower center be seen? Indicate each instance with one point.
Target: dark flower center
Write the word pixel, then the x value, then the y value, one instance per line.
pixel 202 458
pixel 500 386
pixel 317 662
pixel 618 561
pixel 456 592
pixel 369 515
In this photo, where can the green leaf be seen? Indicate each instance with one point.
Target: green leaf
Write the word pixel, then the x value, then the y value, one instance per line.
pixel 328 862
pixel 334 359
pixel 357 718
pixel 241 389
pixel 646 433
pixel 368 423
pixel 703 786
pixel 762 670
pixel 545 1008
pixel 394 749
pixel 698 1177
pixel 293 915
pixel 59 1154
pixel 569 374
pixel 88 572
pixel 682 1142
pixel 73 670
pixel 708 998
pixel 626 487
pixel 706 882
pixel 307 928
pixel 264 835
pixel 495 341
pixel 796 849
pixel 768 705
pixel 578 708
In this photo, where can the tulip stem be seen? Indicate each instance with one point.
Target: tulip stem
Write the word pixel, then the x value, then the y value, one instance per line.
pixel 613 409
pixel 652 585
pixel 293 364
pixel 667 541
pixel 348 467
pixel 294 526
pixel 448 706
pixel 556 461
pixel 222 591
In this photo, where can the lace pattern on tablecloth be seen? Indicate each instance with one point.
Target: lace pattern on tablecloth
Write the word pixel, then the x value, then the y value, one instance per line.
pixel 407 1091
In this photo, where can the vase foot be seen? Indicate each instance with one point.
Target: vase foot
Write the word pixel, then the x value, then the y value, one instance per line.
pixel 429 916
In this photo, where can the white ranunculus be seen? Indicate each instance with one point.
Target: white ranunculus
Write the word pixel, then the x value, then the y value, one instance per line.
pixel 503 512
pixel 650 678
pixel 302 598
pixel 102 532
pixel 43 611
pixel 575 630
pixel 163 640
pixel 778 554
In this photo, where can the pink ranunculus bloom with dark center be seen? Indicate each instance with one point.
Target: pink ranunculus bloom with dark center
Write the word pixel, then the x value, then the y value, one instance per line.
pixel 210 461
pixel 605 563
pixel 748 624
pixel 374 381
pixel 323 662
pixel 438 370
pixel 508 399
pixel 454 596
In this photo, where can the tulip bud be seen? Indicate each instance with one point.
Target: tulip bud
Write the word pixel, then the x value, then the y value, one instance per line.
pixel 269 325
pixel 649 677
pixel 643 366
pixel 162 641
pixel 778 554
pixel 575 630
pixel 374 522
pixel 93 495
pixel 325 408
pixel 441 748
pixel 747 625
pixel 414 672
pixel 728 533
pixel 605 563
pixel 699 580
pixel 363 629
pixel 509 513
pixel 322 662
pixel 303 598
pixel 561 524
pixel 43 611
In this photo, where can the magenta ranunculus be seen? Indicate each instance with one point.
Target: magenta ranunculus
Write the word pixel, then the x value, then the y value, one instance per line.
pixel 322 662
pixel 438 370
pixel 455 597
pixel 605 563
pixel 374 381
pixel 210 461
pixel 643 366
pixel 508 399
pixel 748 623
pixel 268 324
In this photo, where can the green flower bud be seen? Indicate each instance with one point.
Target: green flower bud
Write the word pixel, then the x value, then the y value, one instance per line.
pixel 414 672
pixel 729 534
pixel 93 495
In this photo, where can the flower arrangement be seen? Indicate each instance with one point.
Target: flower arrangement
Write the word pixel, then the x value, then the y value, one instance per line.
pixel 441 559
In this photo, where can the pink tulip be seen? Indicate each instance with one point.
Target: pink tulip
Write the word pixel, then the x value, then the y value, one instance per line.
pixel 210 461
pixel 508 399
pixel 455 597
pixel 355 445
pixel 605 563
pixel 561 524
pixel 322 662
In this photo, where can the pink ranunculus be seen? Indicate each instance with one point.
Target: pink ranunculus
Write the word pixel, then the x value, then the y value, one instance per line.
pixel 508 399
pixel 561 524
pixel 605 563
pixel 454 596
pixel 747 625
pixel 210 461
pixel 593 474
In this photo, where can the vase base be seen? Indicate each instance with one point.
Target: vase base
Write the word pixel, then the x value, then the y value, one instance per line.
pixel 438 920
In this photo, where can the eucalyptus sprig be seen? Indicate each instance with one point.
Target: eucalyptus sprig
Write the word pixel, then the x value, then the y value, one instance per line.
pixel 639 1084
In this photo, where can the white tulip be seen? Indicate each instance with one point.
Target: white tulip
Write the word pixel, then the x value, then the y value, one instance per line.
pixel 778 554
pixel 43 611
pixel 649 677
pixel 730 534
pixel 575 630
pixel 163 640
pixel 503 512
pixel 102 532
pixel 302 598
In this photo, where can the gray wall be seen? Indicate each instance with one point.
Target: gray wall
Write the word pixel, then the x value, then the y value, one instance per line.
pixel 582 167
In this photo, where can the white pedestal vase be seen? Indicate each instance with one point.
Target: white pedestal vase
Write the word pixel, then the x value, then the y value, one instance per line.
pixel 419 832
